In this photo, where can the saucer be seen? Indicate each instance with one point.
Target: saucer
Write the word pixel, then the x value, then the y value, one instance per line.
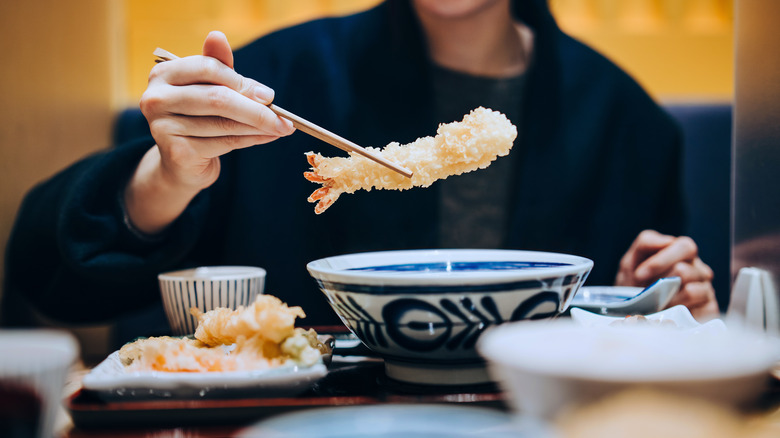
pixel 677 316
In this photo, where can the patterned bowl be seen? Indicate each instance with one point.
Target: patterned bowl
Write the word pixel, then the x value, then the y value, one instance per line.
pixel 423 310
pixel 207 288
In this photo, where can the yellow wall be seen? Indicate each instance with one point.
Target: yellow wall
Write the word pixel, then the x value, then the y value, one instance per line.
pixel 679 50
pixel 57 92
pixel 181 30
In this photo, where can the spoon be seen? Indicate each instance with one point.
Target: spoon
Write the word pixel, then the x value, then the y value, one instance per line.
pixel 626 300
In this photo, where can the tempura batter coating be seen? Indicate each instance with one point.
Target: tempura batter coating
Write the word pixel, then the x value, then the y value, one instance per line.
pixel 457 148
pixel 267 317
pixel 259 336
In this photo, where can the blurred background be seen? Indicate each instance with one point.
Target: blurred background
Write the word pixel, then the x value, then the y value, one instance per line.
pixel 70 67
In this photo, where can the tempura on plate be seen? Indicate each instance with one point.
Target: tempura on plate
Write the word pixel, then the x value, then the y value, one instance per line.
pixel 259 336
pixel 458 147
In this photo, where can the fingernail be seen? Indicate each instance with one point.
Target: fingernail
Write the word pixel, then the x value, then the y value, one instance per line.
pixel 642 273
pixel 264 94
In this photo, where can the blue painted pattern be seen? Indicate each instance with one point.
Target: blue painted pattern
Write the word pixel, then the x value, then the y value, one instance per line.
pixel 509 287
pixel 460 266
pixel 449 323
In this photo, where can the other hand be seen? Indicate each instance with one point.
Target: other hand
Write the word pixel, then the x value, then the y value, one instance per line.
pixel 653 255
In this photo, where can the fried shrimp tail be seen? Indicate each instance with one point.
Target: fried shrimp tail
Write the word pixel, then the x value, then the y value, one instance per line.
pixel 459 147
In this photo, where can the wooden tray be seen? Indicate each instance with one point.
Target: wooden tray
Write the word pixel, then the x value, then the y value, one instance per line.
pixel 360 382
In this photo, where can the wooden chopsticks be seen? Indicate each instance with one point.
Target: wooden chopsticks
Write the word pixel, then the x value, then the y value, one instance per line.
pixel 312 129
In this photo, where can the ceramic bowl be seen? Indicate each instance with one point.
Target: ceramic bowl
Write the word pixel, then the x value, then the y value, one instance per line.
pixel 33 367
pixel 207 288
pixel 549 367
pixel 423 310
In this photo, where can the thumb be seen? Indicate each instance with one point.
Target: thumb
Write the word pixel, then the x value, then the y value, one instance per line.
pixel 217 46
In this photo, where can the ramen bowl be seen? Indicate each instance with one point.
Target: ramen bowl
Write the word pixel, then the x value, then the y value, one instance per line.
pixel 423 311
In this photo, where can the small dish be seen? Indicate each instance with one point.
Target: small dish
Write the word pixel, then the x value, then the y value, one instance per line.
pixel 680 316
pixel 626 300
pixel 111 382
pixel 395 420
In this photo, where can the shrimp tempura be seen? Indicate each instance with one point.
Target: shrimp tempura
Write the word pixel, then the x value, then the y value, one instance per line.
pixel 457 148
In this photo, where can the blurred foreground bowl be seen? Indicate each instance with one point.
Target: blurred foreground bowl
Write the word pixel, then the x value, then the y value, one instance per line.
pixel 33 367
pixel 423 310
pixel 550 367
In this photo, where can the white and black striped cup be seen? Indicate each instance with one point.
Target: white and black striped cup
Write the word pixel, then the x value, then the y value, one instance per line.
pixel 207 288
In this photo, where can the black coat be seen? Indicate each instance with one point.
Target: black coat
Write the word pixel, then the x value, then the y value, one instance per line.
pixel 598 162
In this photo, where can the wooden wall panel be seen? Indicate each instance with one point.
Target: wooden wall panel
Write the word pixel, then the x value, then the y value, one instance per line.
pixel 56 90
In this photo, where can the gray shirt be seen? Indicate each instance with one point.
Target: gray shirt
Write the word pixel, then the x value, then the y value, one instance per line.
pixel 473 206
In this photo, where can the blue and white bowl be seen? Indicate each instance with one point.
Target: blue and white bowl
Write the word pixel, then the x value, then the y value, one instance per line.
pixel 423 310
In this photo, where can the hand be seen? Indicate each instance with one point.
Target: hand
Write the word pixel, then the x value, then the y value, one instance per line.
pixel 199 108
pixel 653 255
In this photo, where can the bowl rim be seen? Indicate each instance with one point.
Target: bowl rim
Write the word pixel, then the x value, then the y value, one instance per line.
pixel 214 273
pixel 757 363
pixel 322 269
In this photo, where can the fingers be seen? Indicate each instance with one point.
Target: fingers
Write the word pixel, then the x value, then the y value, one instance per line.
pixel 699 298
pixel 681 249
pixel 706 312
pixel 646 243
pixel 220 101
pixel 213 147
pixel 690 272
pixel 217 46
pixel 203 126
pixel 206 70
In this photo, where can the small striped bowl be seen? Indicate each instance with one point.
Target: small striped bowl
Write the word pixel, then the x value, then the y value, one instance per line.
pixel 207 288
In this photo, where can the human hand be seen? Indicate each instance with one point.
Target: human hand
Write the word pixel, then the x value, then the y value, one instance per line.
pixel 653 255
pixel 199 108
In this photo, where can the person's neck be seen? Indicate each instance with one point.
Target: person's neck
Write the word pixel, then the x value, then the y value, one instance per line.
pixel 488 43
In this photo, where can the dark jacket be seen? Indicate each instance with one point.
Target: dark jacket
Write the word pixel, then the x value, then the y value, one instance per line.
pixel 598 162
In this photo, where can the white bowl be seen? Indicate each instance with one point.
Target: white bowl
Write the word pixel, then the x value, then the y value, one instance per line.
pixel 547 367
pixel 207 288
pixel 33 367
pixel 424 310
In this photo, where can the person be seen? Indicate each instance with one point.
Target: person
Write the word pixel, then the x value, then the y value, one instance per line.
pixel 216 178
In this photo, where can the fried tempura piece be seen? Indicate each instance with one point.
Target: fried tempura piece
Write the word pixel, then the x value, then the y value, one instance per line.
pixel 255 337
pixel 457 148
pixel 268 317
pixel 177 354
pixel 134 350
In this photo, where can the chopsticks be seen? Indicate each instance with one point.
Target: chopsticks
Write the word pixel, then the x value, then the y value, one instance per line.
pixel 312 129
